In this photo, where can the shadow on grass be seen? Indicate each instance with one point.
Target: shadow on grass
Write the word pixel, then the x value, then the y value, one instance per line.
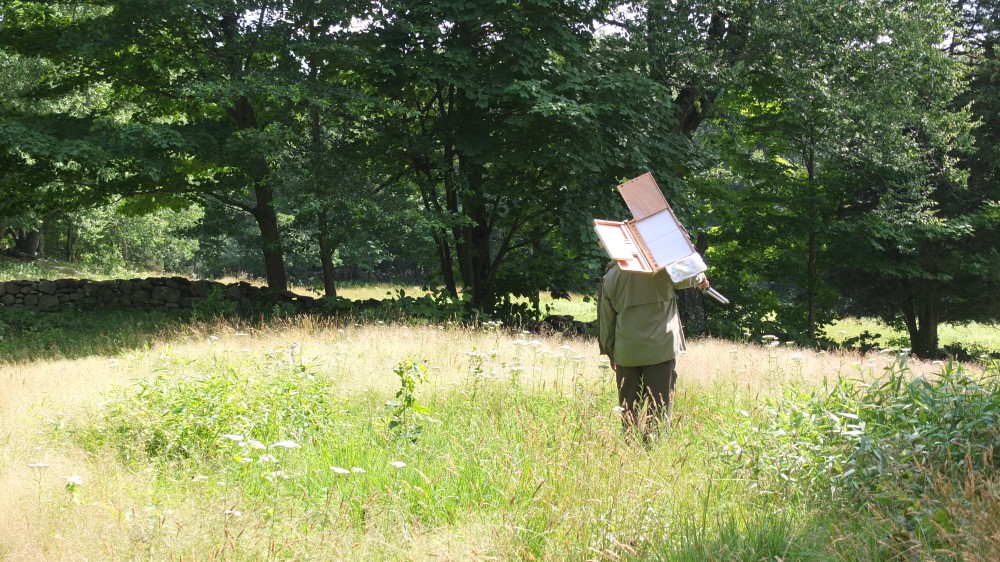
pixel 27 335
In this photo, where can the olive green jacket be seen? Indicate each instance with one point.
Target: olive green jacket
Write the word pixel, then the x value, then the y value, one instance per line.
pixel 637 316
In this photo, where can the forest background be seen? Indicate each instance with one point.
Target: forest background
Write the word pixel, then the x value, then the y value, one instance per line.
pixel 829 158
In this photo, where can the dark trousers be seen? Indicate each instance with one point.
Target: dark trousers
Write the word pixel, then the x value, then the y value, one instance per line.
pixel 648 385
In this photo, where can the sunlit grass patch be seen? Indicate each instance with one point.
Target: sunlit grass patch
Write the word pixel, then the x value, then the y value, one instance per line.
pixel 251 441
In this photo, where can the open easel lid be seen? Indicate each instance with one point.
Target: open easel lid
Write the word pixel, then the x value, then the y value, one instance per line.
pixel 643 196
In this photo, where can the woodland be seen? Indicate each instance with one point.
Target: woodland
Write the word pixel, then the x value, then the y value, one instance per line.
pixel 829 158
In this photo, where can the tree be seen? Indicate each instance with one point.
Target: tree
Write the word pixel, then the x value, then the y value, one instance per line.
pixel 853 134
pixel 194 90
pixel 513 121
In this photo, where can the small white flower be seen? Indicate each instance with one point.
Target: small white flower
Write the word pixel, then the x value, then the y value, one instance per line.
pixel 797 357
pixel 277 474
pixel 339 470
pixel 267 458
pixel 232 437
pixel 199 478
pixel 618 409
pixel 75 480
pixel 254 444
pixel 287 444
pixel 398 464
pixel 234 513
pixel 358 469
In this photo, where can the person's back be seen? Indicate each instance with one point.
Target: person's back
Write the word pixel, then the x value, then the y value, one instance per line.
pixel 639 321
pixel 640 332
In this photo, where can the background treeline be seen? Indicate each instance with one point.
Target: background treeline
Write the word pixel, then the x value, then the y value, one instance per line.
pixel 830 157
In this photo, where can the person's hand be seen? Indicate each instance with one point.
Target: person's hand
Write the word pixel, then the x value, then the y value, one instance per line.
pixel 704 283
pixel 614 366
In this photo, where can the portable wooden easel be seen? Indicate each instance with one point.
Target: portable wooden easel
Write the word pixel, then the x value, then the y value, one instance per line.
pixel 654 239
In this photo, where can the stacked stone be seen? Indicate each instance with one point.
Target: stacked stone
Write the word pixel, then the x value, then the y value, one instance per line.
pixel 151 293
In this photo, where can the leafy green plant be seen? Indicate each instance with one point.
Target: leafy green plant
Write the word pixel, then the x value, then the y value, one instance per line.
pixel 888 444
pixel 215 305
pixel 407 411
pixel 186 409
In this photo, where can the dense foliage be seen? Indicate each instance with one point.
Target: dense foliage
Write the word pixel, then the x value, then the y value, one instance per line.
pixel 828 157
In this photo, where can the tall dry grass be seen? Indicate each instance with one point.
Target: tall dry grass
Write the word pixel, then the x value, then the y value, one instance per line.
pixel 116 514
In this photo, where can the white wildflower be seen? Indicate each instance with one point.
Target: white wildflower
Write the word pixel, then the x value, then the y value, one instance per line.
pixel 75 480
pixel 287 444
pixel 398 464
pixel 339 470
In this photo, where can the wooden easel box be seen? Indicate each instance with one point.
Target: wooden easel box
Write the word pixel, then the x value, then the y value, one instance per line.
pixel 654 238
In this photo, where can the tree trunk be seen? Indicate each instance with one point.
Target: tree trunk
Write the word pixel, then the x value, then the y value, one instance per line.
pixel 69 239
pixel 29 242
pixel 267 221
pixel 812 269
pixel 326 249
pixel 925 344
pixel 691 304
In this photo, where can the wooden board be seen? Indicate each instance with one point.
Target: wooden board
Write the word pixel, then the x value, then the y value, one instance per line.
pixel 618 241
pixel 643 196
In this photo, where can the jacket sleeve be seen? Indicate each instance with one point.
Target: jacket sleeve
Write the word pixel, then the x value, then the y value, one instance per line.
pixel 690 282
pixel 607 316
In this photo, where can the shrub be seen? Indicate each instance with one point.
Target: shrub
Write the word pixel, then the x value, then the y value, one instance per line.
pixel 186 410
pixel 215 305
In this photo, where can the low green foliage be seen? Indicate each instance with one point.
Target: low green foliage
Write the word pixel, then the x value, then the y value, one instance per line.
pixel 213 306
pixel 26 335
pixel 190 406
pixel 887 445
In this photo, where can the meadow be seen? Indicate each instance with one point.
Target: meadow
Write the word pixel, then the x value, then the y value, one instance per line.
pixel 311 439
pixel 131 435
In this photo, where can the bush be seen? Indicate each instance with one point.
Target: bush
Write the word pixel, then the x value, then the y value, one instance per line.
pixel 186 414
pixel 213 306
pixel 890 443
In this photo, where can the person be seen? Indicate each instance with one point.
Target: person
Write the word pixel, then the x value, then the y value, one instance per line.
pixel 640 332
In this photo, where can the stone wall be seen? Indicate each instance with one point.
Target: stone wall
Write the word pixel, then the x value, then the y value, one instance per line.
pixel 161 293
pixel 156 293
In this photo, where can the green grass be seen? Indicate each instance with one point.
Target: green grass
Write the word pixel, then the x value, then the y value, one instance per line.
pixel 974 335
pixel 12 269
pixel 544 467
pixel 32 336
pixel 247 445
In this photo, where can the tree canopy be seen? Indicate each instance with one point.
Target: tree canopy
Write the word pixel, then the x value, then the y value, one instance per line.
pixel 828 157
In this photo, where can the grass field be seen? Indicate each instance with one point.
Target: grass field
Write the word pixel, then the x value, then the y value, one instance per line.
pixel 313 440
